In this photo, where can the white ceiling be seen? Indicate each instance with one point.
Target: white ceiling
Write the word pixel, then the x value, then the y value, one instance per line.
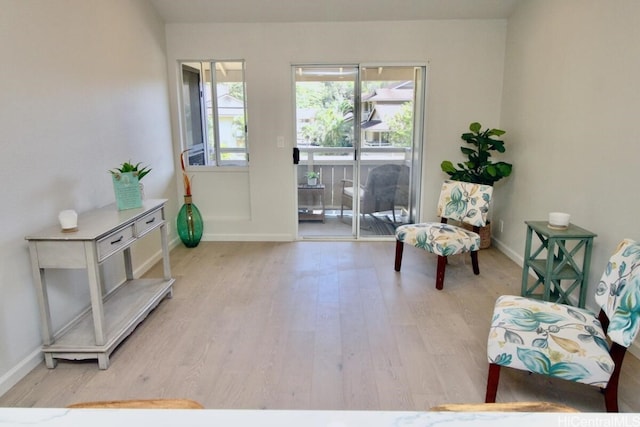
pixel 194 11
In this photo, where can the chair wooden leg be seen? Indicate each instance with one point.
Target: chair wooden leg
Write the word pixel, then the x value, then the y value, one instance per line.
pixel 442 264
pixel 474 262
pixel 611 398
pixel 399 248
pixel 611 392
pixel 492 383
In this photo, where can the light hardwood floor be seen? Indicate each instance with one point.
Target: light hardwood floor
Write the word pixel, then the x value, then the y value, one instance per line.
pixel 315 325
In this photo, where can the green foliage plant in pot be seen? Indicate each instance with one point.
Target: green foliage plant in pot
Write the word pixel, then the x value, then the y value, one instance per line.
pixel 128 188
pixel 139 171
pixel 479 167
pixel 312 178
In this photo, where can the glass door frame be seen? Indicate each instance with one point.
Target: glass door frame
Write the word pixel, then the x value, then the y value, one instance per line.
pixel 351 70
pixel 357 148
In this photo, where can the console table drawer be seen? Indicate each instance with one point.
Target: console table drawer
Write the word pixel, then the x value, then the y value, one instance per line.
pixel 114 242
pixel 149 222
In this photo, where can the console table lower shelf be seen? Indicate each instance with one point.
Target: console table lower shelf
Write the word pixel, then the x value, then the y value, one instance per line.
pixel 124 308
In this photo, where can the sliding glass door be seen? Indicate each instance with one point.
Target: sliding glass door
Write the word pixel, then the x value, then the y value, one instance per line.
pixel 359 131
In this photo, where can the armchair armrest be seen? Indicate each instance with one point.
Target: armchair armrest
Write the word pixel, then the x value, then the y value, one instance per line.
pixel 345 181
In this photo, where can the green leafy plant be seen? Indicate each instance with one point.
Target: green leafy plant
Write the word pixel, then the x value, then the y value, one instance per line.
pixel 479 168
pixel 313 174
pixel 130 167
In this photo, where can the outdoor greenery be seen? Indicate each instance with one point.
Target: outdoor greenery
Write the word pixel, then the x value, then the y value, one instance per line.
pixel 332 125
pixel 235 89
pixel 479 168
pixel 401 126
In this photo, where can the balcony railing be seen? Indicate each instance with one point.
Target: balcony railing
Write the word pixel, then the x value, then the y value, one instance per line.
pixel 337 164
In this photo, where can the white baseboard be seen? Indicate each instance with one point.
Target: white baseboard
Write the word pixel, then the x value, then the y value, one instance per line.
pixel 248 238
pixel 510 253
pixel 19 371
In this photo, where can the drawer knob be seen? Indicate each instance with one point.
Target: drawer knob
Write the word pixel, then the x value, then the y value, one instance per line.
pixel 151 220
pixel 117 241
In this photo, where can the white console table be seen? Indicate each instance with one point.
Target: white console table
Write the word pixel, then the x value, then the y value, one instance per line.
pixel 111 317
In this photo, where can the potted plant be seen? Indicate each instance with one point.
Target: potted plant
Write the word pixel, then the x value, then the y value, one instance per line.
pixel 140 172
pixel 128 188
pixel 479 167
pixel 312 178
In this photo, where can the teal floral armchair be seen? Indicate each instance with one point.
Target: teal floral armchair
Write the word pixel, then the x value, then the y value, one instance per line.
pixel 568 342
pixel 459 201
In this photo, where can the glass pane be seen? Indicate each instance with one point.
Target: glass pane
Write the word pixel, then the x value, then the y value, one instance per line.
pixel 387 129
pixel 192 86
pixel 230 93
pixel 325 137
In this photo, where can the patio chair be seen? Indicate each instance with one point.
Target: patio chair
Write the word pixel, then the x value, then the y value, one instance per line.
pixel 459 201
pixel 567 342
pixel 387 187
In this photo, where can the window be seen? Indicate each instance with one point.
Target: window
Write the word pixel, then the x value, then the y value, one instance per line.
pixel 214 113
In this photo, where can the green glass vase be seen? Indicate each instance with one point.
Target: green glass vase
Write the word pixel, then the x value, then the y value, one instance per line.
pixel 189 223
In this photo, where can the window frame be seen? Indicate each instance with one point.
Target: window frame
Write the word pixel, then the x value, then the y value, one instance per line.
pixel 209 134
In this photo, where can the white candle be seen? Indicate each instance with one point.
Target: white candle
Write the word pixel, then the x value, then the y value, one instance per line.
pixel 68 219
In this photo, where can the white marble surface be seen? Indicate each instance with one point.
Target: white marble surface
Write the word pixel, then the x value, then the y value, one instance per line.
pixel 274 418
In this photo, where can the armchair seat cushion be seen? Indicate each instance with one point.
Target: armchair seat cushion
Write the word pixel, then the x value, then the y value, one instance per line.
pixel 349 192
pixel 439 238
pixel 551 339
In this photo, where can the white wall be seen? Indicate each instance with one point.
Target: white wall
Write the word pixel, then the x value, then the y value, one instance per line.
pixel 570 108
pixel 465 65
pixel 83 88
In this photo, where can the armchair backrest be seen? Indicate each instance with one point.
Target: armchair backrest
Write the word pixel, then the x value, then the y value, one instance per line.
pixel 387 186
pixel 465 202
pixel 618 293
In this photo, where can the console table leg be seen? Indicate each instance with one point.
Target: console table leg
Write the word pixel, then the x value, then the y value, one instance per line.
pixel 128 267
pixel 103 361
pixel 49 361
pixel 95 293
pixel 166 263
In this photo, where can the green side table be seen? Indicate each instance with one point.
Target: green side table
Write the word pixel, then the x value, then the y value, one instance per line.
pixel 558 270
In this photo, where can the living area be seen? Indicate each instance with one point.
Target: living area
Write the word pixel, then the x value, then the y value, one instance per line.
pixel 103 87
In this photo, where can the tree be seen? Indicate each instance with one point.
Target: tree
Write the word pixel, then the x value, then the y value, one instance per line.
pixel 332 125
pixel 235 89
pixel 401 126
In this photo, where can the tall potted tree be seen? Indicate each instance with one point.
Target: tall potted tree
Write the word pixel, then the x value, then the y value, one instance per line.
pixel 479 167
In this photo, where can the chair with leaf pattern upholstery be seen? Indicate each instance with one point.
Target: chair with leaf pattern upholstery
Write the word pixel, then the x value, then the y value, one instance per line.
pixel 459 201
pixel 568 342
